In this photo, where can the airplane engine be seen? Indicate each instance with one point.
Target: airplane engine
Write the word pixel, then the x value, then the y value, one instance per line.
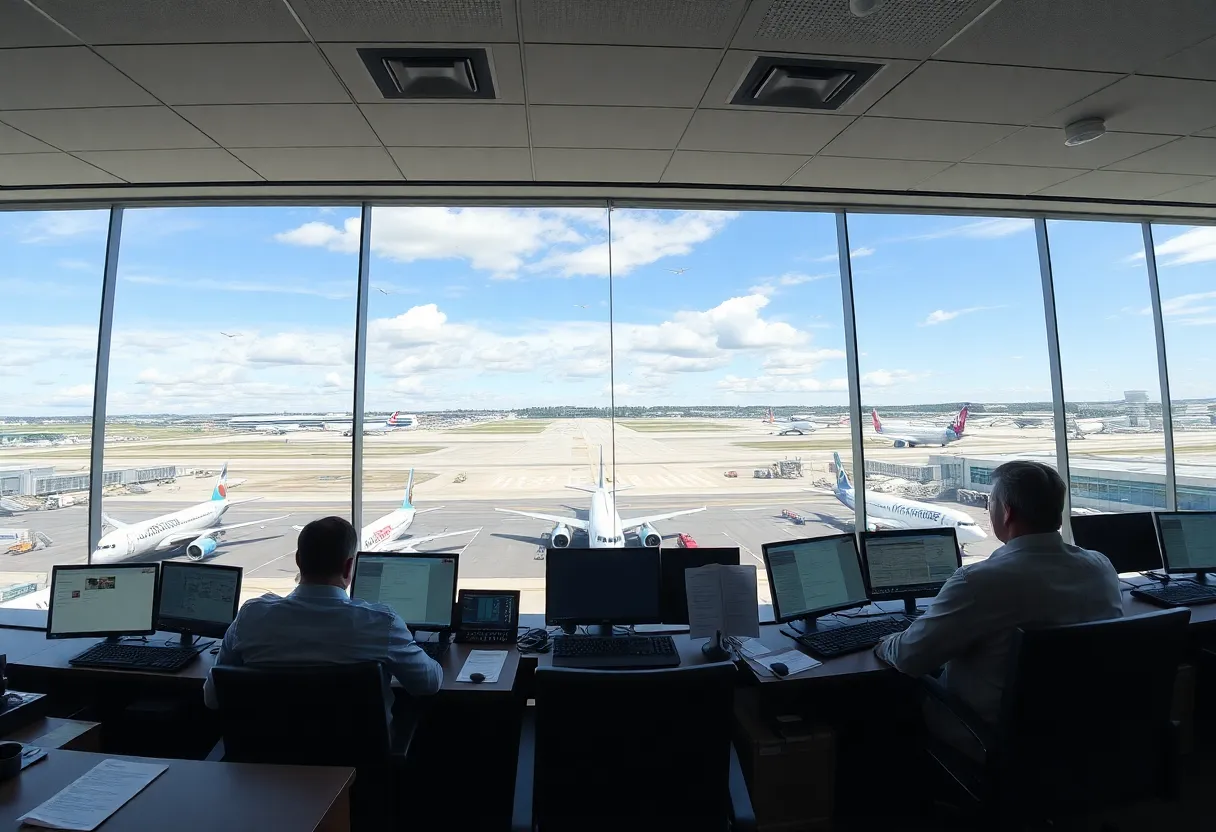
pixel 559 538
pixel 649 536
pixel 200 548
pixel 899 443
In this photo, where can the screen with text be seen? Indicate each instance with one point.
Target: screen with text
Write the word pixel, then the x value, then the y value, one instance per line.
pixel 103 599
pixel 1188 541
pixel 907 563
pixel 196 592
pixel 420 590
pixel 814 575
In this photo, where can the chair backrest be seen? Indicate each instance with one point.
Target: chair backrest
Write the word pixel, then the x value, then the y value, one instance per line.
pixel 1085 719
pixel 330 715
pixel 634 744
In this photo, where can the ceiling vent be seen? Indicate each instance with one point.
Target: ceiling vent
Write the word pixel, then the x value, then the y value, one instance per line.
pixel 430 73
pixel 802 84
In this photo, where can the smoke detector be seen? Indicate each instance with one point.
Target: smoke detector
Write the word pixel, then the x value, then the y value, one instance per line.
pixel 1084 131
pixel 865 8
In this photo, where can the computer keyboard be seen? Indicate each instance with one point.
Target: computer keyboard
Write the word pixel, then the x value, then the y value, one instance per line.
pixel 435 649
pixel 136 657
pixel 1177 594
pixel 615 651
pixel 852 637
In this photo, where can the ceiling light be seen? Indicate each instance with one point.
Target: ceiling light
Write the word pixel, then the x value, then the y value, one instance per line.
pixel 800 83
pixel 1083 131
pixel 865 8
pixel 430 73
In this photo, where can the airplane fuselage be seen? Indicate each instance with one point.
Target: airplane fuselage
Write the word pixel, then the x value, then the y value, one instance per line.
pixel 603 523
pixel 153 535
pixel 914 515
pixel 385 530
pixel 911 437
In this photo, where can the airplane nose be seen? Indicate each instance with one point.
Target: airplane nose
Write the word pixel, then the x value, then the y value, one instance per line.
pixel 975 533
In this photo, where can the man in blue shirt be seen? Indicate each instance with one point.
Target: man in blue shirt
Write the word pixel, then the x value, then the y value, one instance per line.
pixel 319 624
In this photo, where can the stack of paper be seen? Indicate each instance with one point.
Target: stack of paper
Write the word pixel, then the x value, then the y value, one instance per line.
pixel 98 793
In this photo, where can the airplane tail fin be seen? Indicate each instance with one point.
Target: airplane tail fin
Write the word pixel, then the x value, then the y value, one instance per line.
pixel 842 479
pixel 602 483
pixel 770 419
pixel 392 420
pixel 110 521
pixel 220 492
pixel 408 502
pixel 877 421
pixel 960 421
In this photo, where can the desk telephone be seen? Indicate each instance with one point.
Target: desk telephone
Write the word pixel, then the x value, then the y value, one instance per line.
pixel 487 616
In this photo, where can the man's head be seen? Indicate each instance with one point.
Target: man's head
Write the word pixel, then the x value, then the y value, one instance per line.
pixel 1027 498
pixel 325 552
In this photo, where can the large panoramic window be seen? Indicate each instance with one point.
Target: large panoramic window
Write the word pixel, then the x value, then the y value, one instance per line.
pixel 51 267
pixel 952 352
pixel 231 377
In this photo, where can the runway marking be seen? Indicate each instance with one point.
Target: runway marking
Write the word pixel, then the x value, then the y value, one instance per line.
pixel 267 563
pixel 744 548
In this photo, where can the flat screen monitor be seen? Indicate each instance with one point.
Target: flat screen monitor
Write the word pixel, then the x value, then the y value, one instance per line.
pixel 602 586
pixel 488 609
pixel 1188 540
pixel 908 563
pixel 814 577
pixel 673 595
pixel 421 588
pixel 1129 540
pixel 114 600
pixel 198 598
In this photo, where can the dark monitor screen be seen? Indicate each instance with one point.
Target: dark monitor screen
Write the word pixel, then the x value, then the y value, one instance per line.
pixel 1188 540
pixel 814 577
pixel 488 609
pixel 674 562
pixel 198 598
pixel 597 586
pixel 114 600
pixel 421 588
pixel 908 563
pixel 1129 540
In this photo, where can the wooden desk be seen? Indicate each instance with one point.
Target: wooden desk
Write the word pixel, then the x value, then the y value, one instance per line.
pixel 454 660
pixel 197 795
pixel 49 668
pixel 52 732
pixel 1202 616
pixel 18 644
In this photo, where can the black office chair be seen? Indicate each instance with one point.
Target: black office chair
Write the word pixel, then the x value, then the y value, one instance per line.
pixel 1084 724
pixel 631 749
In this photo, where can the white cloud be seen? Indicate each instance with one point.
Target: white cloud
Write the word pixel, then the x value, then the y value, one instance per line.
pixel 863 251
pixel 330 291
pixel 1196 245
pixel 640 238
pixel 794 362
pixel 780 384
pixel 979 229
pixel 61 226
pixel 335 381
pixel 1196 309
pixel 940 316
pixel 79 265
pixel 889 378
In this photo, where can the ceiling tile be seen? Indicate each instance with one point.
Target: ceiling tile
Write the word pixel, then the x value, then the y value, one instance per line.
pixel 505 68
pixel 14 141
pixel 872 174
pixel 640 128
pixel 707 23
pixel 449 125
pixel 1189 155
pixel 731 168
pixel 995 179
pixel 230 73
pixel 1147 105
pixel 761 132
pixel 69 76
pixel 618 75
pixel 993 94
pixel 934 141
pixel 1113 184
pixel 306 164
pixel 282 125
pixel 157 21
pixel 109 128
pixel 1204 194
pixel 441 164
pixel 1199 61
pixel 206 165
pixel 1044 146
pixel 466 21
pixel 555 164
pixel 24 26
pixel 27 169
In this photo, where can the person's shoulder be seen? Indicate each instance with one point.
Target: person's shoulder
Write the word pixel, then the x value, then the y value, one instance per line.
pixel 1092 557
pixel 377 612
pixel 255 605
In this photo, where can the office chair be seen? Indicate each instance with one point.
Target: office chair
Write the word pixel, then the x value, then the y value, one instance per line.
pixel 1084 722
pixel 631 749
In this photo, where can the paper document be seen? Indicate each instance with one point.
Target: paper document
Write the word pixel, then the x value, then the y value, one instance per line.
pixel 98 793
pixel 753 647
pixel 795 661
pixel 722 598
pixel 486 662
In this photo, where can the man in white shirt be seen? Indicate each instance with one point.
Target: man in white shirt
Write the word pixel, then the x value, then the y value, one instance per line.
pixel 1035 578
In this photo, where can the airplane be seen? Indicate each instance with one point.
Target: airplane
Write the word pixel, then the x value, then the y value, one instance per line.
pixel 677 271
pixel 196 528
pixel 801 425
pixel 909 436
pixel 230 335
pixel 604 527
pixel 884 511
pixel 391 423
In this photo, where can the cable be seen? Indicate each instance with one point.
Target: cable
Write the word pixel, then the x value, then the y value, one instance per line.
pixel 534 640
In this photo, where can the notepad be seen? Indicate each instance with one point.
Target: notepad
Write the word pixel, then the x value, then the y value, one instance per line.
pixel 795 662
pixel 98 793
pixel 486 662
pixel 722 598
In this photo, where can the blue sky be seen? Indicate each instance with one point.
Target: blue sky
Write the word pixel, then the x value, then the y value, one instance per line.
pixel 496 307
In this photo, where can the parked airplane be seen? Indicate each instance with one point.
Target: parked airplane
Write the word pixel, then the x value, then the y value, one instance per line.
pixel 800 425
pixel 884 511
pixel 393 422
pixel 383 535
pixel 604 527
pixel 909 436
pixel 197 528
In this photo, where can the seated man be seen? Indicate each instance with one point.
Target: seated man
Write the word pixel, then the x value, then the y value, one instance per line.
pixel 1035 578
pixel 319 624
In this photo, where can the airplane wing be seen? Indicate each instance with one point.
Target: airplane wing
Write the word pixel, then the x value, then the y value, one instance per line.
pixel 876 524
pixel 571 522
pixel 244 500
pixel 186 537
pixel 911 440
pixel 631 523
pixel 110 521
pixel 409 543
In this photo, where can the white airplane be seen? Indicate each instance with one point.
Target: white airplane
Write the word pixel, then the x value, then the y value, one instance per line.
pixel 604 527
pixel 909 436
pixel 886 512
pixel 800 425
pixel 197 528
pixel 393 422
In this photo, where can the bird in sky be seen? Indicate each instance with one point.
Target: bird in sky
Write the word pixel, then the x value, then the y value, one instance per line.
pixel 383 291
pixel 581 305
pixel 230 335
pixel 677 271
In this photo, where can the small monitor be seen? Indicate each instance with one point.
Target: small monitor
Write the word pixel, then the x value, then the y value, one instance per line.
pixel 488 609
pixel 421 588
pixel 602 586
pixel 198 598
pixel 906 564
pixel 674 596
pixel 810 578
pixel 1188 541
pixel 115 600
pixel 1128 539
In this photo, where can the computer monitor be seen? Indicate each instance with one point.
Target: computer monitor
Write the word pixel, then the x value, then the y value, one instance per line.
pixel 814 577
pixel 602 587
pixel 421 588
pixel 906 564
pixel 1128 539
pixel 673 595
pixel 198 599
pixel 1188 541
pixel 112 601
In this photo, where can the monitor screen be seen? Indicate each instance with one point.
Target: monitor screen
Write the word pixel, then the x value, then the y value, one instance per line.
pixel 814 577
pixel 198 598
pixel 114 600
pixel 596 586
pixel 1188 540
pixel 489 609
pixel 674 601
pixel 419 588
pixel 908 564
pixel 1129 540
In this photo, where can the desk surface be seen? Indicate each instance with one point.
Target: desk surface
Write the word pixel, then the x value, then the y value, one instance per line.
pixel 197 795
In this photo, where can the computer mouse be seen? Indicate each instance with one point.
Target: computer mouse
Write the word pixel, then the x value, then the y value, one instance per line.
pixel 476 678
pixel 779 668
